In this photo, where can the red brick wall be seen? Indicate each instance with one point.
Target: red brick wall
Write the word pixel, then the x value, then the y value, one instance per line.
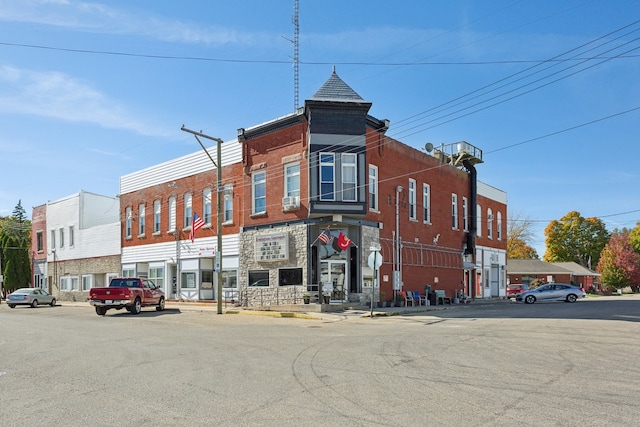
pixel 39 224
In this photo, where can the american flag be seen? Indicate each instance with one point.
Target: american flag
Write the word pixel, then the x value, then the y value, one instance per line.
pixel 195 226
pixel 325 236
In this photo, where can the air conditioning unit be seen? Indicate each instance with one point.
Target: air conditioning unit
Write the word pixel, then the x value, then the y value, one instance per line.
pixel 291 203
pixel 463 147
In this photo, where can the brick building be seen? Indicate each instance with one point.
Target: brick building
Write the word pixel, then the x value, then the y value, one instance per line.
pixel 306 197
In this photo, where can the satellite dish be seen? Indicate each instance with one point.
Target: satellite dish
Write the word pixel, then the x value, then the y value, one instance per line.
pixel 428 147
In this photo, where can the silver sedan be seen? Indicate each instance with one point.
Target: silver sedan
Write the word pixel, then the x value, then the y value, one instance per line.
pixel 30 296
pixel 552 292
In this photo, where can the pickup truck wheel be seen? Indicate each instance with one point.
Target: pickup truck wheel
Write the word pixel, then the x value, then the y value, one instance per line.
pixel 136 308
pixel 160 306
pixel 101 311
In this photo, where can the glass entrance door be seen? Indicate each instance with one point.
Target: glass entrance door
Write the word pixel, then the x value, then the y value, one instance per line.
pixel 334 279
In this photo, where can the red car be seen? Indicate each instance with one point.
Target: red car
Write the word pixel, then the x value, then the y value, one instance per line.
pixel 514 290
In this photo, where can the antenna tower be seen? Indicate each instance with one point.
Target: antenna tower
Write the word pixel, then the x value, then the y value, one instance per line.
pixel 296 59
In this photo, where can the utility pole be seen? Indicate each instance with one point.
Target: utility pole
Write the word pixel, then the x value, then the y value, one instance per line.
pixel 219 191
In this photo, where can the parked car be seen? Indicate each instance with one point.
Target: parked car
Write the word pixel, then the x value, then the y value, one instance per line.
pixel 513 290
pixel 30 296
pixel 131 293
pixel 552 292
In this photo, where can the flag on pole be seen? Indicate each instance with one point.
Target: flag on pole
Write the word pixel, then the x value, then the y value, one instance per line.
pixel 325 236
pixel 343 241
pixel 195 226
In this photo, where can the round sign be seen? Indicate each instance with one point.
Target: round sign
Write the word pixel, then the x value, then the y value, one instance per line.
pixel 375 260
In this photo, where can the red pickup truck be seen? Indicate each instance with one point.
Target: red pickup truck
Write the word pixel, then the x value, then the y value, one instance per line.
pixel 131 293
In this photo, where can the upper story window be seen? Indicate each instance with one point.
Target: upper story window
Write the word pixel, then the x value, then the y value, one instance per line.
pixel 373 188
pixel 141 220
pixel 72 236
pixel 53 239
pixel 292 180
pixel 489 223
pixel 412 199
pixel 61 234
pixel 259 192
pixel 499 226
pixel 206 206
pixel 157 211
pixel 188 210
pixel 426 203
pixel 479 220
pixel 172 213
pixel 349 174
pixel 128 222
pixel 465 214
pixel 454 211
pixel 39 241
pixel 228 203
pixel 327 176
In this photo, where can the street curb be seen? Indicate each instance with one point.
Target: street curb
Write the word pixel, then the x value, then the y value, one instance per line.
pixel 284 314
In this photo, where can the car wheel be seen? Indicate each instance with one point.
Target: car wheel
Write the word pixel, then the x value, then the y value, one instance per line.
pixel 160 306
pixel 530 299
pixel 53 302
pixel 571 298
pixel 136 308
pixel 11 305
pixel 101 311
pixel 34 303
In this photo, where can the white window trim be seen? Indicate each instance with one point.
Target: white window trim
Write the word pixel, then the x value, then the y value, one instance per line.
pixel 413 211
pixel 465 214
pixel 426 203
pixel 346 166
pixel 288 192
pixel 254 183
pixel 330 197
pixel 454 212
pixel 373 192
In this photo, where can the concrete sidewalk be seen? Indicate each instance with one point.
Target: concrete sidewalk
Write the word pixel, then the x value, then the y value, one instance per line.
pixel 334 312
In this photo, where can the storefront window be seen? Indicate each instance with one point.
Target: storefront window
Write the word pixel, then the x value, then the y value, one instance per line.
pixel 289 276
pixel 230 279
pixel 258 277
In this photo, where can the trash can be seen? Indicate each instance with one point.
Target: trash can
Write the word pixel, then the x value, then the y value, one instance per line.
pixel 433 299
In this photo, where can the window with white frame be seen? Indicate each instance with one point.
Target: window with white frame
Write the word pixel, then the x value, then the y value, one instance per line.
pixel 157 212
pixel 373 188
pixel 499 226
pixel 39 241
pixel 465 214
pixel 74 283
pixel 292 180
pixel 206 206
pixel 454 211
pixel 426 203
pixel 52 243
pixel 479 220
pixel 188 210
pixel 412 199
pixel 156 275
pixel 228 203
pixel 259 191
pixel 65 283
pixel 128 221
pixel 141 220
pixel 72 236
pixel 327 176
pixel 172 213
pixel 61 235
pixel 489 223
pixel 230 279
pixel 87 282
pixel 349 174
pixel 128 272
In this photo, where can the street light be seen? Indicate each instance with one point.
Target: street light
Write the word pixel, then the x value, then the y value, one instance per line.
pixel 219 189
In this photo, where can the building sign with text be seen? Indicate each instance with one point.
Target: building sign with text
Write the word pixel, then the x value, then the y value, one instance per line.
pixel 272 247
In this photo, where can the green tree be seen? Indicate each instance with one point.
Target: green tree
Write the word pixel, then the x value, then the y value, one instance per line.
pixel 619 263
pixel 575 238
pixel 634 238
pixel 519 237
pixel 15 241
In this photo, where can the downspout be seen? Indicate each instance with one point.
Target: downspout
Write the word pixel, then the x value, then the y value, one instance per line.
pixel 473 211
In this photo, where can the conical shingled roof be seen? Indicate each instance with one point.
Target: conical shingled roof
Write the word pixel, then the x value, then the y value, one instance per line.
pixel 335 89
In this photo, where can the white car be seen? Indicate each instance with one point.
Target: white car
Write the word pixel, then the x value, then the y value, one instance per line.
pixel 552 292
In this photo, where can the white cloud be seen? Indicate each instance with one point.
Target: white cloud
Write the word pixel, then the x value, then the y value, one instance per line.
pixel 88 16
pixel 56 95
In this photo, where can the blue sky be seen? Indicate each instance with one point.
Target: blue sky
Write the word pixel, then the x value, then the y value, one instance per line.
pixel 549 90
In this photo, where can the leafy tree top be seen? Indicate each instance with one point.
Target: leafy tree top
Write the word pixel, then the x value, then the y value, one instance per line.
pixel 575 238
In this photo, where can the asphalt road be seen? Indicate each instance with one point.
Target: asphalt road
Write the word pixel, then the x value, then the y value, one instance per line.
pixel 552 364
